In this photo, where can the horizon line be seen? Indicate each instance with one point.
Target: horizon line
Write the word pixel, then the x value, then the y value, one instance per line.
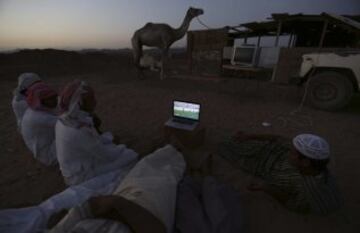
pixel 78 49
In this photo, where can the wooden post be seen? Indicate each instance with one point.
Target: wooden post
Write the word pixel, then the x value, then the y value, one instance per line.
pixel 294 40
pixel 258 42
pixel 326 23
pixel 290 39
pixel 278 33
pixel 190 47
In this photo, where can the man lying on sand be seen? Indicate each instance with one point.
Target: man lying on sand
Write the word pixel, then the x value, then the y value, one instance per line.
pixel 295 173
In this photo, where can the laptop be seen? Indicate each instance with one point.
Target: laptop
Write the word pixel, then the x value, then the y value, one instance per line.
pixel 185 115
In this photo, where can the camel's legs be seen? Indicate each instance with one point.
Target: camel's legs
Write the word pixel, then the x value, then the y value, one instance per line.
pixel 140 73
pixel 162 71
pixel 138 53
pixel 164 56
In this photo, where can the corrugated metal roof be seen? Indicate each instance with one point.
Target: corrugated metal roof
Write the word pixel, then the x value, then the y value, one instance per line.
pixel 291 20
pixel 345 20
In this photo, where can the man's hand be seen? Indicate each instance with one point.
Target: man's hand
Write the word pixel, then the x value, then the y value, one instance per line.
pixel 272 190
pixel 97 122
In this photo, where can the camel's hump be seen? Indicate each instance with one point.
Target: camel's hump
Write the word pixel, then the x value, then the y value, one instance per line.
pixel 150 24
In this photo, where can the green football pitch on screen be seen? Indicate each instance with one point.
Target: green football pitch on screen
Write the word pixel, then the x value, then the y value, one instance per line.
pixel 186 114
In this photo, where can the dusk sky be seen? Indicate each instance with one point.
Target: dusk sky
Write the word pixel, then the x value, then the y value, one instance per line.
pixel 76 24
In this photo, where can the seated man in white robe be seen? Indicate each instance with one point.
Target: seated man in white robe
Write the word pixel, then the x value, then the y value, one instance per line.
pixel 19 103
pixel 38 123
pixel 83 152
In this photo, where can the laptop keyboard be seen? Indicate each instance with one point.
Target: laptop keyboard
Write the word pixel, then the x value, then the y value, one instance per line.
pixel 183 121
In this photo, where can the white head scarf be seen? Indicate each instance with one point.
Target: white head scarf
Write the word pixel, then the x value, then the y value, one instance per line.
pixel 312 146
pixel 25 80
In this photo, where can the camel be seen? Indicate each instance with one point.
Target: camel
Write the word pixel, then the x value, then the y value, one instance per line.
pixel 161 36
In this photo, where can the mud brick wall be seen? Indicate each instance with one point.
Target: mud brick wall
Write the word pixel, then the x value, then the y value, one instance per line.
pixel 206 62
pixel 205 51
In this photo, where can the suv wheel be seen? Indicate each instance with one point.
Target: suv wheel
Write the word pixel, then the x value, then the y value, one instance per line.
pixel 329 90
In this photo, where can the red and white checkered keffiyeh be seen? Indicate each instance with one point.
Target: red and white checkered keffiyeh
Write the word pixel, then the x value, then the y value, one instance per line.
pixel 36 93
pixel 70 100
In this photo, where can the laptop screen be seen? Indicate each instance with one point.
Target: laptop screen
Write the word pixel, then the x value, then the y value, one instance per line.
pixel 186 110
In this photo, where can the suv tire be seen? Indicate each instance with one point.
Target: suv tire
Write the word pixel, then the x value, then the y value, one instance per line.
pixel 329 90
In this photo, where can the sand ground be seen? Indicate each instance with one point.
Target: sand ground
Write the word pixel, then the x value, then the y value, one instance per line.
pixel 136 111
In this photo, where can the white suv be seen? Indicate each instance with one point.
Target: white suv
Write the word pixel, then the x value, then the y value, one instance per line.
pixel 330 78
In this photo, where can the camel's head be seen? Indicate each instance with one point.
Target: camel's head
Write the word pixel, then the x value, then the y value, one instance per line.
pixel 194 12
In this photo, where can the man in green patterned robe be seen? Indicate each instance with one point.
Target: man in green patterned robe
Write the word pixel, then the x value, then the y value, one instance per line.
pixel 292 171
